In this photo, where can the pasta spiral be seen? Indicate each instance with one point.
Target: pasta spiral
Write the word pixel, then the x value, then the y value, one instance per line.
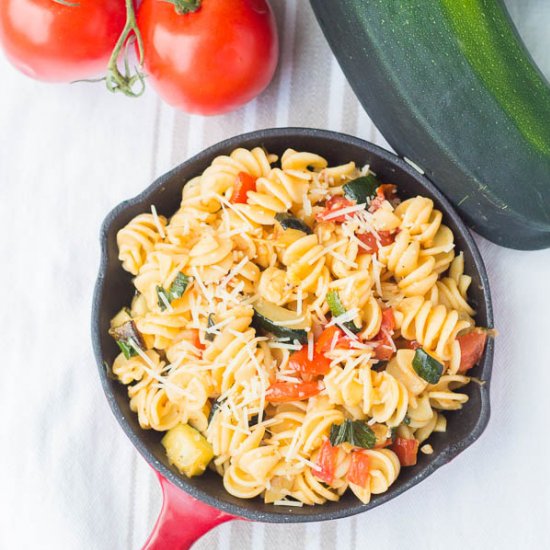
pixel 137 239
pixel 434 327
pixel 415 273
pixel 384 468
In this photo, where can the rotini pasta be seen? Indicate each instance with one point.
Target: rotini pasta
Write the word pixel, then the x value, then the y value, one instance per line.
pixel 292 330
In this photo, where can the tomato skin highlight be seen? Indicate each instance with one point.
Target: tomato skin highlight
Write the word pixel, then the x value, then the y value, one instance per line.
pixel 406 450
pixel 56 43
pixel 326 462
pixel 299 361
pixel 213 60
pixel 324 342
pixel 358 472
pixel 282 392
pixel 245 183
pixel 472 346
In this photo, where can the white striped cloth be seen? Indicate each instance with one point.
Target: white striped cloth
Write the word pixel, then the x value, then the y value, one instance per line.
pixel 69 478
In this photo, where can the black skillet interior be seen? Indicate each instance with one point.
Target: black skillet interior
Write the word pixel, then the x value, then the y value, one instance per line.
pixel 114 290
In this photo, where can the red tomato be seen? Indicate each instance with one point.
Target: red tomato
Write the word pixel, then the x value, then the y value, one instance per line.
pixel 388 320
pixel 472 346
pixel 326 461
pixel 384 350
pixel 406 450
pixel 281 392
pixel 300 362
pixel 333 204
pixel 50 41
pixel 386 191
pixel 370 242
pixel 324 343
pixel 212 60
pixel 386 237
pixel 358 472
pixel 245 183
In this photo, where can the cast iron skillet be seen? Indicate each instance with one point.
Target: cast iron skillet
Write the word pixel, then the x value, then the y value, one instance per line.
pixel 114 290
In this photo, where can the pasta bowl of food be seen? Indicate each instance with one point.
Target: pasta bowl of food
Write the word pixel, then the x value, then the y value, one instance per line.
pixel 294 325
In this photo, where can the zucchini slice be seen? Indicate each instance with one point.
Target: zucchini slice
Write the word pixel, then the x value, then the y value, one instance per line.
pixel 124 331
pixel 268 316
pixel 454 90
pixel 337 308
pixel 361 189
pixel 187 449
pixel 288 221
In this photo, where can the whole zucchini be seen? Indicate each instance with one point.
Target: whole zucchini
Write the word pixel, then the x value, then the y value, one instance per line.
pixel 452 88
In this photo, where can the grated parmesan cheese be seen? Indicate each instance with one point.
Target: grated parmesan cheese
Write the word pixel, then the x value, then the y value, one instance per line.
pixel 344 211
pixel 310 346
pixel 307 205
pixel 156 220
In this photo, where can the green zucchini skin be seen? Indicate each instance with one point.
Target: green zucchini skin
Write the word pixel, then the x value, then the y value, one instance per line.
pixel 288 221
pixel 265 319
pixel 452 88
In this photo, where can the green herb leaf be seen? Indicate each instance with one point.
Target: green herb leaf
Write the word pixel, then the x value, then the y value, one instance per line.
pixel 355 432
pixel 427 367
pixel 211 322
pixel 126 349
pixel 337 308
pixel 124 335
pixel 176 290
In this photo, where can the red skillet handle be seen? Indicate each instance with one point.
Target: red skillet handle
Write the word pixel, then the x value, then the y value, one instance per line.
pixel 182 520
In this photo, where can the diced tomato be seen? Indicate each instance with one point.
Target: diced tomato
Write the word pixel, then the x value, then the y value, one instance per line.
pixel 281 392
pixel 318 365
pixel 388 320
pixel 386 191
pixel 386 237
pixel 324 343
pixel 383 352
pixel 370 242
pixel 332 205
pixel 472 346
pixel 326 460
pixel 406 450
pixel 245 183
pixel 358 472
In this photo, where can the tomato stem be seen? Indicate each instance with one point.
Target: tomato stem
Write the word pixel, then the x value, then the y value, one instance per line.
pixel 185 6
pixel 117 81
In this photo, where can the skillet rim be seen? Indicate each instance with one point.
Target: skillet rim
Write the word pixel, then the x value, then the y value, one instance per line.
pixel 315 513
